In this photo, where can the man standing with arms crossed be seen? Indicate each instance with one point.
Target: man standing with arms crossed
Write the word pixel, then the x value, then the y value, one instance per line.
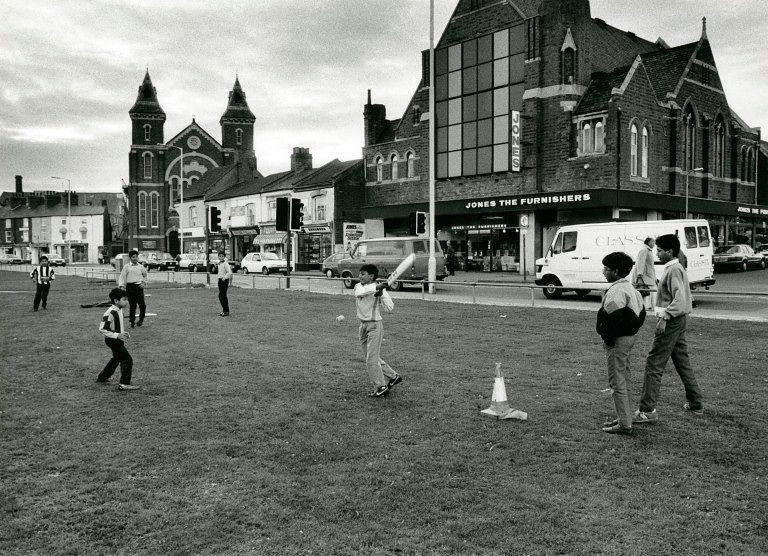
pixel 132 280
pixel 673 305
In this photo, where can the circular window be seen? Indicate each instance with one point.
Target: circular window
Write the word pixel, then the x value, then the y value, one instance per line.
pixel 193 142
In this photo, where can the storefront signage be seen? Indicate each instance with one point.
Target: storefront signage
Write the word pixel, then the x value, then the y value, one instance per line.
pixel 529 200
pixel 353 232
pixel 752 210
pixel 483 227
pixel 514 141
pixel 149 244
pixel 319 229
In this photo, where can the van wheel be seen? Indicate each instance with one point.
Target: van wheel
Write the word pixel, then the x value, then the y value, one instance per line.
pixel 245 270
pixel 550 288
pixel 349 283
pixel 581 294
pixel 265 271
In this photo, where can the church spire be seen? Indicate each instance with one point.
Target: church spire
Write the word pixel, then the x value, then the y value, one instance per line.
pixel 237 106
pixel 146 100
pixel 703 28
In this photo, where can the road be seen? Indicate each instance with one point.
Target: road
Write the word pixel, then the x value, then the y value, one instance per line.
pixel 736 296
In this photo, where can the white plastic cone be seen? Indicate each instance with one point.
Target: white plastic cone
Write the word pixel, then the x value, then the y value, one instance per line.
pixel 499 405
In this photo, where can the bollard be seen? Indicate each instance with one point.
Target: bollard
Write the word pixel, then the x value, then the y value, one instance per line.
pixel 422 290
pixel 474 293
pixel 190 277
pixel 533 299
pixel 253 281
pixel 309 284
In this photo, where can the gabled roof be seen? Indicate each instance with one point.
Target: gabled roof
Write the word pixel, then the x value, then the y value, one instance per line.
pixel 237 107
pixel 198 189
pixel 42 211
pixel 194 126
pixel 325 175
pixel 666 67
pixel 599 91
pixel 243 179
pixel 146 100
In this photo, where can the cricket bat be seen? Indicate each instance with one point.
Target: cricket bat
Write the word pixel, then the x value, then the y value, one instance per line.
pixel 401 268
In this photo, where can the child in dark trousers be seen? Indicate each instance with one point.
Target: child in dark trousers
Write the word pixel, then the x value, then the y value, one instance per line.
pixel 621 315
pixel 114 336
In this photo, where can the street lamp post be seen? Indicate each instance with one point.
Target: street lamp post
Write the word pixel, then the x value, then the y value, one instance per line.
pixel 432 263
pixel 69 217
pixel 181 195
pixel 687 175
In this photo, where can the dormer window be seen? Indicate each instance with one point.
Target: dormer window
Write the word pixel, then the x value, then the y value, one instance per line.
pixel 591 136
pixel 147 132
pixel 239 136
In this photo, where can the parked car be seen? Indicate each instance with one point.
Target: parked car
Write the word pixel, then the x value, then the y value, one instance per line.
pixel 55 260
pixel 266 263
pixel 762 250
pixel 157 260
pixel 331 264
pixel 9 259
pixel 388 252
pixel 737 255
pixel 183 260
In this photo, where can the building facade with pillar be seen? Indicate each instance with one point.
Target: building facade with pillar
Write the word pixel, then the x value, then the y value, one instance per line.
pixel 546 112
pixel 156 172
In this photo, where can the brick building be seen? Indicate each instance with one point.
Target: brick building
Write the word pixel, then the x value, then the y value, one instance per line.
pixel 155 166
pixel 544 111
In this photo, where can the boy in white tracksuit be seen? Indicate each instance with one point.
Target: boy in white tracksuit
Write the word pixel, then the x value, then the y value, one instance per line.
pixel 369 298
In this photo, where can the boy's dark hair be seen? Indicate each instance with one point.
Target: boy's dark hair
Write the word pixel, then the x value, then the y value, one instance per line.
pixel 117 294
pixel 43 258
pixel 132 252
pixel 667 242
pixel 620 262
pixel 648 240
pixel 371 269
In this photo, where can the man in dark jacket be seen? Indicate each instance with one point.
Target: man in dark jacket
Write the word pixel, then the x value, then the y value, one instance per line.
pixel 620 316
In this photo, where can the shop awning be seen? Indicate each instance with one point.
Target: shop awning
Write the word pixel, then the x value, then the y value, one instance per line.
pixel 270 239
pixel 247 231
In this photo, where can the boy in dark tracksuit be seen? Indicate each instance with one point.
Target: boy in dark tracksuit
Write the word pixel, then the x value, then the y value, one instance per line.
pixel 620 316
pixel 112 328
pixel 42 274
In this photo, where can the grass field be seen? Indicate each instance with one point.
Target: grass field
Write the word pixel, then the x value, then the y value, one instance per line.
pixel 254 434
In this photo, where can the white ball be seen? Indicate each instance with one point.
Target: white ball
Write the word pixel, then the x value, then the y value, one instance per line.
pixel 340 318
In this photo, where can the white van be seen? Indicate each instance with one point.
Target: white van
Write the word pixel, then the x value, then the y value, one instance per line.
pixel 574 260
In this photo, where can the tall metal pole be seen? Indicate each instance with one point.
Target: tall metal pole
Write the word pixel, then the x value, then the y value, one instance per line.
pixel 181 203
pixel 432 266
pixel 69 217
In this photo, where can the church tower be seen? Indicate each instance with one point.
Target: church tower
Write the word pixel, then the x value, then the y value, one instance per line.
pixel 237 125
pixel 147 116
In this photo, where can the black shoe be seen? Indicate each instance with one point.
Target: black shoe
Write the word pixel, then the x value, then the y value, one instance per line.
pixel 618 429
pixel 380 391
pixel 104 381
pixel 140 323
pixel 224 314
pixel 397 380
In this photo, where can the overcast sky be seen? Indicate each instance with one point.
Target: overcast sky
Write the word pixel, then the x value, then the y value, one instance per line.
pixel 70 71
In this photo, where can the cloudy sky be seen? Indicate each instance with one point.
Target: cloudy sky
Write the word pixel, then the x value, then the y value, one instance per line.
pixel 70 70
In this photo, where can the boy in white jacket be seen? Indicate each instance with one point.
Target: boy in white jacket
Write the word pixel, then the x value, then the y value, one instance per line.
pixel 369 298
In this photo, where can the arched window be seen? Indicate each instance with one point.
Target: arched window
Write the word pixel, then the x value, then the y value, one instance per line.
pixel 393 160
pixel 147 165
pixel 743 164
pixel 410 164
pixel 249 211
pixel 689 146
pixel 379 169
pixel 750 165
pixel 147 132
pixel 644 152
pixel 720 149
pixel 599 137
pixel 239 136
pixel 154 210
pixel 142 209
pixel 633 150
pixel 587 139
pixel 193 216
pixel 569 65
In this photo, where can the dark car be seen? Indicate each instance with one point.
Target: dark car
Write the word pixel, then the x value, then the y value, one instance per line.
pixel 738 256
pixel 55 260
pixel 155 260
pixel 330 265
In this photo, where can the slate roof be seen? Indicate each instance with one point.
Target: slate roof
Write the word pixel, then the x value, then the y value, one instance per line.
pixel 42 211
pixel 237 107
pixel 146 100
pixel 250 186
pixel 325 175
pixel 666 67
pixel 598 92
pixel 198 189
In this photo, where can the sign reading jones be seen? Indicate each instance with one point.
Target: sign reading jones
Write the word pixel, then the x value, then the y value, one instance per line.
pixel 514 138
pixel 530 200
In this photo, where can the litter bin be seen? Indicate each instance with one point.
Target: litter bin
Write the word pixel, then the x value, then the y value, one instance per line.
pixel 119 261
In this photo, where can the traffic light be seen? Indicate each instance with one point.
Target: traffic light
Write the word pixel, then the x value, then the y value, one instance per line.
pixel 421 223
pixel 283 214
pixel 297 214
pixel 215 219
pixel 256 230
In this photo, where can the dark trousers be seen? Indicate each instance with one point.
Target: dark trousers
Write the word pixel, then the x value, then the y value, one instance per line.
pixel 135 296
pixel 223 287
pixel 669 342
pixel 42 294
pixel 120 356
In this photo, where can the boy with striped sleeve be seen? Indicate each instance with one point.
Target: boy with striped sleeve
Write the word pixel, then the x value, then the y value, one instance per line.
pixel 621 315
pixel 114 336
pixel 42 274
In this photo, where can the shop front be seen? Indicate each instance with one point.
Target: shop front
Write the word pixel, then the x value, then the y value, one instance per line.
pixel 315 243
pixel 270 241
pixel 242 240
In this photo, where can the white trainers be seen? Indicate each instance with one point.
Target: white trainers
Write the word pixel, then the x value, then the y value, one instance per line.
pixel 127 387
pixel 645 417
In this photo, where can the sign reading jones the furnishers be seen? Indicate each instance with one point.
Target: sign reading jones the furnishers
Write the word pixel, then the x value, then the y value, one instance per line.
pixel 529 200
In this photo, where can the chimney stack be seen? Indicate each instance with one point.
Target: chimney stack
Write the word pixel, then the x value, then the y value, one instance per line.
pixel 19 188
pixel 301 160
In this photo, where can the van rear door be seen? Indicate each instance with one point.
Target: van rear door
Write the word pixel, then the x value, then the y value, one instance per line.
pixel 697 245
